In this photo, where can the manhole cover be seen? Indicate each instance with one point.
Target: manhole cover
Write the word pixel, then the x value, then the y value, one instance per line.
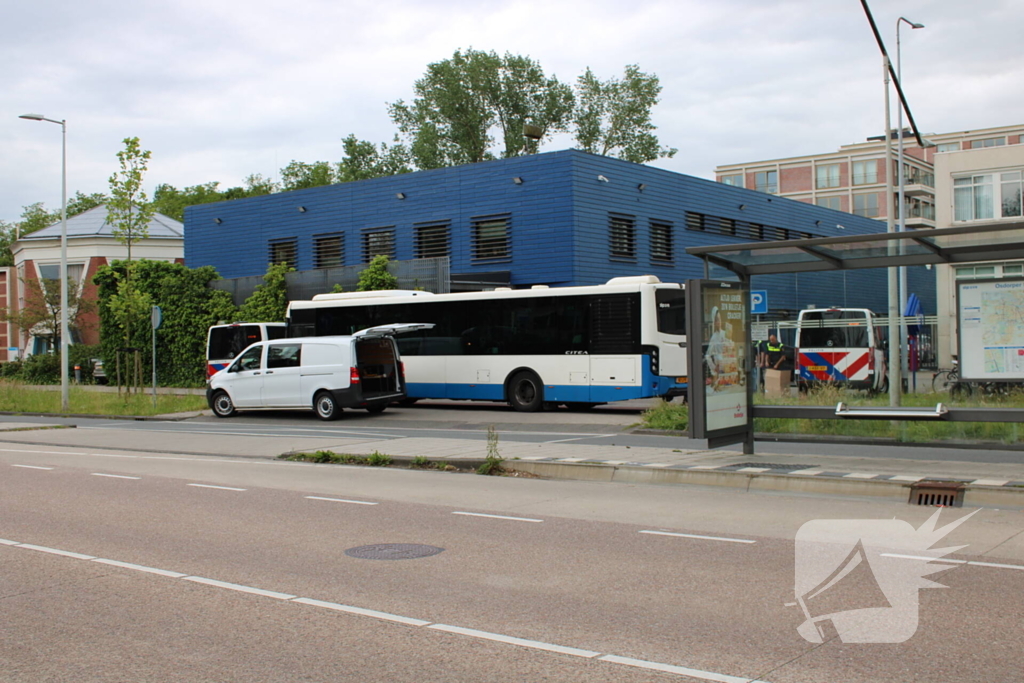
pixel 393 551
pixel 772 465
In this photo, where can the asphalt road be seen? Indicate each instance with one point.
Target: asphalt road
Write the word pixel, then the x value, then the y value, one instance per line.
pixel 214 569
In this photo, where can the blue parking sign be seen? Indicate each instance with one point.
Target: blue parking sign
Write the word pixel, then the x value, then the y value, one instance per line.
pixel 758 302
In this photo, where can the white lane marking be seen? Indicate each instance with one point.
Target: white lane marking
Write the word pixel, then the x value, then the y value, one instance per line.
pixel 278 435
pixel 362 612
pixel 240 588
pixel 511 640
pixel 108 455
pixel 810 472
pixel 756 469
pixel 672 669
pixel 515 519
pixel 24 450
pixel 341 500
pixel 33 467
pixel 658 464
pixel 705 538
pixel 706 467
pixel 990 482
pixel 534 457
pixel 905 477
pixel 580 438
pixel 860 475
pixel 54 551
pixel 114 476
pixel 549 647
pixel 571 459
pixel 211 486
pixel 140 568
pixel 976 563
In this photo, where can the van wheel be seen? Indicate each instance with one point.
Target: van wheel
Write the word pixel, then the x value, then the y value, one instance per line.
pixel 222 405
pixel 525 392
pixel 375 408
pixel 326 407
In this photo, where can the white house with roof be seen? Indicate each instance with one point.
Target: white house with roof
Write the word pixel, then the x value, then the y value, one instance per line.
pixel 91 244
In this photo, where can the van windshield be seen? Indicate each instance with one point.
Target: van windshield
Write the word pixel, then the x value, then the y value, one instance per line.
pixel 834 329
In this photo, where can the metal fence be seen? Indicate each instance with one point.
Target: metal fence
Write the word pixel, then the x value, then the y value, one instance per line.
pixel 428 274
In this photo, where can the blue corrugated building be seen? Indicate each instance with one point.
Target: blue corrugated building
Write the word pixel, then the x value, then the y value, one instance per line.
pixel 560 218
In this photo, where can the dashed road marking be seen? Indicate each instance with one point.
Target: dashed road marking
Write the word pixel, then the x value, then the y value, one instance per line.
pixel 33 467
pixel 515 519
pixel 211 486
pixel 697 536
pixel 114 476
pixel 341 500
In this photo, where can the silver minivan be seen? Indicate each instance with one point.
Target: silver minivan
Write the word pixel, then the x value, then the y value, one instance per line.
pixel 327 374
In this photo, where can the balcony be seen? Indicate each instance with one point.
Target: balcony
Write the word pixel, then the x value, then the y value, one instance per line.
pixel 920 215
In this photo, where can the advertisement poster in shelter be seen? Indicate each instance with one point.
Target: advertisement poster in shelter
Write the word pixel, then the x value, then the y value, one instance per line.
pixel 726 316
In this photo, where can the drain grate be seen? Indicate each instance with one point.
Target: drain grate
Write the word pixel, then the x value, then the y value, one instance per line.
pixel 773 465
pixel 941 493
pixel 393 551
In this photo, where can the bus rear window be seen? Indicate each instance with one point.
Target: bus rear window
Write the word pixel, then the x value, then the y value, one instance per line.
pixel 228 342
pixel 671 305
pixel 834 329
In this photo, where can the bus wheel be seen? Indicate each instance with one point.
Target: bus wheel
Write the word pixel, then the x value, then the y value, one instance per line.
pixel 525 392
pixel 326 407
pixel 222 404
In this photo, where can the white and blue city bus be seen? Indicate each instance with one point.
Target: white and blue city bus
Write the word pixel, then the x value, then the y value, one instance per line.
pixel 577 346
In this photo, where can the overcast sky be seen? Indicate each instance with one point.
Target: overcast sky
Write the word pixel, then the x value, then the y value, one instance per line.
pixel 220 90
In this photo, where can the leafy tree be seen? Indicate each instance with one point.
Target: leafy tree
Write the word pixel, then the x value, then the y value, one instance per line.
pixel 7 234
pixel 376 276
pixel 269 302
pixel 35 217
pixel 189 308
pixel 613 117
pixel 40 312
pixel 170 201
pixel 81 203
pixel 459 100
pixel 129 208
pixel 298 175
pixel 364 160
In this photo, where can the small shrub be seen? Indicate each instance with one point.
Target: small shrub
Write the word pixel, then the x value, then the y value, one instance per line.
pixel 420 461
pixel 324 456
pixel 492 465
pixel 41 368
pixel 666 415
pixel 378 460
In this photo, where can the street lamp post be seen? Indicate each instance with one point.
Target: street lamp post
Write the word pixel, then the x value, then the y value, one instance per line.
pixel 63 256
pixel 895 383
pixel 902 201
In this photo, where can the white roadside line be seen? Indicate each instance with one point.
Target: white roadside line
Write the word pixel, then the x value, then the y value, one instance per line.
pixel 341 500
pixel 515 519
pixel 580 438
pixel 976 563
pixel 114 476
pixel 397 618
pixel 201 432
pixel 703 538
pixel 33 467
pixel 211 486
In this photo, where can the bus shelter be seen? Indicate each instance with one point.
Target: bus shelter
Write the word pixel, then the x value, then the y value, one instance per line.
pixel 948 246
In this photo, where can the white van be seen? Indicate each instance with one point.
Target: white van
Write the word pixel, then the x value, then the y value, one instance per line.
pixel 363 370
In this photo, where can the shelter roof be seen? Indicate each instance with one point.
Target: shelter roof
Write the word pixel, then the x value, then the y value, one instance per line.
pixel 968 244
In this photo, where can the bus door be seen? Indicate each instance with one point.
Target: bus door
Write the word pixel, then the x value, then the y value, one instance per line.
pixel 836 345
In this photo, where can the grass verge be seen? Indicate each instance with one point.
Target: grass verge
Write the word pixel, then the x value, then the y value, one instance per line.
pixel 375 459
pixel 675 416
pixel 16 398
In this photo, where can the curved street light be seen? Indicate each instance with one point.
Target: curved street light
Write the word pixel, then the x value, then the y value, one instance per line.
pixel 63 255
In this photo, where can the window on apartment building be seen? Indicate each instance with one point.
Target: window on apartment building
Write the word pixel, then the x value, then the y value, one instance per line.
pixel 830 202
pixel 865 172
pixel 285 251
pixel 51 274
pixel 736 180
pixel 1013 269
pixel 948 147
pixel 661 242
pixel 826 176
pixel 977 197
pixel 767 181
pixel 328 251
pixel 988 142
pixel 621 236
pixel 433 241
pixel 379 242
pixel 866 205
pixel 492 237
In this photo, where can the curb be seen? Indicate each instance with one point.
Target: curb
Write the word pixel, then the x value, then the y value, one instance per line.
pixel 169 417
pixel 835 484
pixel 771 437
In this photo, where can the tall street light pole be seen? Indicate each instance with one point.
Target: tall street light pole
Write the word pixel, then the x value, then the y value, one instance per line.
pixel 64 408
pixel 895 383
pixel 902 200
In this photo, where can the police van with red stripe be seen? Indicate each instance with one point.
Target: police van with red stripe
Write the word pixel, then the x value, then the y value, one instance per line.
pixel 840 346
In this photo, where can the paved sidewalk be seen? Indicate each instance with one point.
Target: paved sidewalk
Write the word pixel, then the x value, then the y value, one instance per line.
pixel 266 444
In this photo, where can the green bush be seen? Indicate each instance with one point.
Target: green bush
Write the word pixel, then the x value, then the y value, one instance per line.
pixel 41 368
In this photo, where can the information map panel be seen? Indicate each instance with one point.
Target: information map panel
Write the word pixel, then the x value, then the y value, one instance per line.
pixel 991 330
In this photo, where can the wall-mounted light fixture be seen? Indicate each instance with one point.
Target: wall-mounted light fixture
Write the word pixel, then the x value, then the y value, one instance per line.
pixel 742 206
pixel 302 209
pixel 400 195
pixel 602 179
pixel 217 221
pixel 817 222
pixel 841 227
pixel 517 180
pixel 641 187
